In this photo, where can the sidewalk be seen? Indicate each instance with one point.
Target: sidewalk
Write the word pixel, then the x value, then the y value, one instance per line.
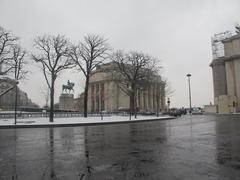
pixel 76 121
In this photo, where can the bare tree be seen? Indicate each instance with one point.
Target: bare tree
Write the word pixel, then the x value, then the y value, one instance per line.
pixel 7 40
pixel 19 65
pixel 52 52
pixel 134 71
pixel 168 88
pixel 87 56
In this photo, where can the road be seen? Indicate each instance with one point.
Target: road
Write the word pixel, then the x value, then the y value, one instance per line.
pixel 191 147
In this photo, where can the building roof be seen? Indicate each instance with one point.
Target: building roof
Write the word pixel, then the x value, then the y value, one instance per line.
pixel 237 36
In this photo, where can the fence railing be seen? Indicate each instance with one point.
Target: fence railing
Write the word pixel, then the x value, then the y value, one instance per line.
pixel 24 115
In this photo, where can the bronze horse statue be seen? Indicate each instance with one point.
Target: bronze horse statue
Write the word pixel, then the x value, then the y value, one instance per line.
pixel 69 87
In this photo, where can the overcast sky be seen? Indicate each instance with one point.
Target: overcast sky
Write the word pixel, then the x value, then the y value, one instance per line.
pixel 178 32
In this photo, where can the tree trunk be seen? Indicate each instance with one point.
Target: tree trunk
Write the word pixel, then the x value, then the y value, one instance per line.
pixel 85 103
pixel 158 100
pixel 157 106
pixel 51 100
pixel 16 102
pixel 132 99
pixel 135 104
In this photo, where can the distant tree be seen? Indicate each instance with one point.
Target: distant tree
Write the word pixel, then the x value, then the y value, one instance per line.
pixel 134 71
pixel 52 52
pixel 7 41
pixel 19 63
pixel 19 68
pixel 46 95
pixel 87 55
pixel 168 89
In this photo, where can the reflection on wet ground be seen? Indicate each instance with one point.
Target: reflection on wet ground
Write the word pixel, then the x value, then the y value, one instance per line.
pixel 197 147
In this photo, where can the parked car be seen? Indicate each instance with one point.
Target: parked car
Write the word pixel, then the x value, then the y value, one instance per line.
pixel 197 111
pixel 176 112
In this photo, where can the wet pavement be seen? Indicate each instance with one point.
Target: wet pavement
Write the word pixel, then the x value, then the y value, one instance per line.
pixel 198 147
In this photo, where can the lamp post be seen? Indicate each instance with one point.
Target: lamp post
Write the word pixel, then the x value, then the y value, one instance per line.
pixel 130 110
pixel 189 88
pixel 168 102
pixel 158 93
pixel 16 102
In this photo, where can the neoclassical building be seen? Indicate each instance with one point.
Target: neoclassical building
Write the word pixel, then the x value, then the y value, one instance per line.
pixel 226 76
pixel 106 95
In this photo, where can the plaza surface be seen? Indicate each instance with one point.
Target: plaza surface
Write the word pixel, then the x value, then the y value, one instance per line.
pixel 191 147
pixel 76 121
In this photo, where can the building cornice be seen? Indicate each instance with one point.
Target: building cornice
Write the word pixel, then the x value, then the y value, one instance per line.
pixel 222 60
pixel 237 36
pixel 218 61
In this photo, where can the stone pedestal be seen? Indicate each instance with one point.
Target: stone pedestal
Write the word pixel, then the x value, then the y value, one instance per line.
pixel 66 102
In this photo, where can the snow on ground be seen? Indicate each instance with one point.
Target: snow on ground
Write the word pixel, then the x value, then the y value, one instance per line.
pixel 77 120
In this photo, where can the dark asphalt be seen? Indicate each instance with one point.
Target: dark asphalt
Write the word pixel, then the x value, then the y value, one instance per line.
pixel 190 148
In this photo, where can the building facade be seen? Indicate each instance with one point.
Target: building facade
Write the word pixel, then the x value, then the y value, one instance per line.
pixel 226 76
pixel 7 101
pixel 78 103
pixel 106 95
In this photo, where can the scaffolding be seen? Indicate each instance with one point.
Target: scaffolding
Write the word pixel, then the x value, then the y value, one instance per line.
pixel 217 44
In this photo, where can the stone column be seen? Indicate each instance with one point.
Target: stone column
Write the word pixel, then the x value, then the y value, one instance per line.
pixel 93 98
pixel 97 98
pixel 89 98
pixel 149 98
pixel 102 96
pixel 139 99
pixel 107 100
pixel 145 99
pixel 154 98
pixel 117 96
pixel 113 96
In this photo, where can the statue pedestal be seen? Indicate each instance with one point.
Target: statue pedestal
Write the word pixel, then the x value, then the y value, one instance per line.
pixel 66 102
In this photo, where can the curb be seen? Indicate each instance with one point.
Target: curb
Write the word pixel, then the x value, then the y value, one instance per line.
pixel 82 124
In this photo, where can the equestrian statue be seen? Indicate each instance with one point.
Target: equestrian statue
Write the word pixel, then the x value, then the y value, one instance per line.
pixel 68 88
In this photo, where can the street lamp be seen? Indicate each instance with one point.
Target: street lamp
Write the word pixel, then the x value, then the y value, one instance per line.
pixel 190 103
pixel 168 102
pixel 16 102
